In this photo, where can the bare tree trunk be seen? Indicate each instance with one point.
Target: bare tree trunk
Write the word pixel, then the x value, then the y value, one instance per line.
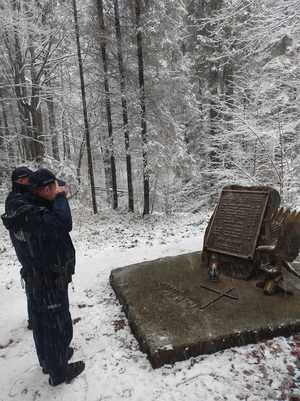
pixel 281 145
pixel 2 147
pixel 84 106
pixel 81 150
pixel 143 106
pixel 254 158
pixel 104 150
pixel 3 140
pixel 10 146
pixel 21 95
pixel 229 87
pixel 8 139
pixel 35 104
pixel 64 124
pixel 124 106
pixel 108 107
pixel 2 127
pixel 20 151
pixel 52 127
pixel 27 142
pixel 2 151
pixel 37 131
pixel 214 115
pixel 65 137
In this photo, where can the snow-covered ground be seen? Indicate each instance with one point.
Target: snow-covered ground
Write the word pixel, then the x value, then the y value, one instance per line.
pixel 115 368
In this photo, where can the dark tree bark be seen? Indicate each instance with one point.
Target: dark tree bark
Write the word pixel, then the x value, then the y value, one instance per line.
pixel 124 106
pixel 34 104
pixel 18 147
pixel 37 132
pixel 10 147
pixel 52 127
pixel 65 137
pixel 228 87
pixel 108 107
pixel 30 50
pixel 81 150
pixel 2 128
pixel 7 136
pixel 21 93
pixel 2 151
pixel 84 106
pixel 64 123
pixel 2 148
pixel 142 105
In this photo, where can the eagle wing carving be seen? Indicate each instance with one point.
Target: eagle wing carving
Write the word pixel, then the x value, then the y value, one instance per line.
pixel 285 239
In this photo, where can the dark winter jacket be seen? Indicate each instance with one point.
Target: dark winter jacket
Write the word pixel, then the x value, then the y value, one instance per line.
pixel 40 234
pixel 15 206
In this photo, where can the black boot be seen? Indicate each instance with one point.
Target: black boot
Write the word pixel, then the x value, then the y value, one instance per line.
pixel 70 353
pixel 72 370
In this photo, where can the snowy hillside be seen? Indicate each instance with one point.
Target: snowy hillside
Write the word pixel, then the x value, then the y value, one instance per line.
pixel 115 368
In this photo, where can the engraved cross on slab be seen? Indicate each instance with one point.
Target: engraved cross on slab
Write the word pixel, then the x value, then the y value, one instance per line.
pixel 179 294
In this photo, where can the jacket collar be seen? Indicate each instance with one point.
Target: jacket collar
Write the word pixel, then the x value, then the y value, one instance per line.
pixel 20 188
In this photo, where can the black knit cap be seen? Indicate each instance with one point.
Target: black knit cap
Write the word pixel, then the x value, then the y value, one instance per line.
pixel 21 172
pixel 41 178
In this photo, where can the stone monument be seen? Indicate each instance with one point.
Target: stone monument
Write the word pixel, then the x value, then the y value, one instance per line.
pixel 176 311
pixel 241 221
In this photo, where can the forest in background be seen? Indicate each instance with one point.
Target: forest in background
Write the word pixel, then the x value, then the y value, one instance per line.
pixel 154 105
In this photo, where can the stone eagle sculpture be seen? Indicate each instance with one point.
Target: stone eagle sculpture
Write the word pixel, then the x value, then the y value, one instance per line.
pixel 283 250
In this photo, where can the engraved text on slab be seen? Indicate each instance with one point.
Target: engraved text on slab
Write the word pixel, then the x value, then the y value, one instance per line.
pixel 237 222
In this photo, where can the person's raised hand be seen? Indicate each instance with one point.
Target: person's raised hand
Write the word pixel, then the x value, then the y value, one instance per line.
pixel 62 189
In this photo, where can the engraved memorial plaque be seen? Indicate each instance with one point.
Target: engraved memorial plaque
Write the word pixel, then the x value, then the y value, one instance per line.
pixel 237 223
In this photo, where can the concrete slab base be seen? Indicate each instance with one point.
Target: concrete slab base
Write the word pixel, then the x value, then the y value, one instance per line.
pixel 175 312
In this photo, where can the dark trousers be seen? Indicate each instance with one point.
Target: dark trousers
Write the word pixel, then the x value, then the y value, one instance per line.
pixel 52 329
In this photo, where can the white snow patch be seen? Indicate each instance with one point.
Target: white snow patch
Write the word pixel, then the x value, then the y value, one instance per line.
pixel 115 367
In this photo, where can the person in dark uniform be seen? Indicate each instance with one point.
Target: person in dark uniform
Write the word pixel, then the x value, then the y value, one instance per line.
pixel 16 199
pixel 46 222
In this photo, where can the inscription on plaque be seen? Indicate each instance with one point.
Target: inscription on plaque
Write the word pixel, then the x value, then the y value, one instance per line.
pixel 237 223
